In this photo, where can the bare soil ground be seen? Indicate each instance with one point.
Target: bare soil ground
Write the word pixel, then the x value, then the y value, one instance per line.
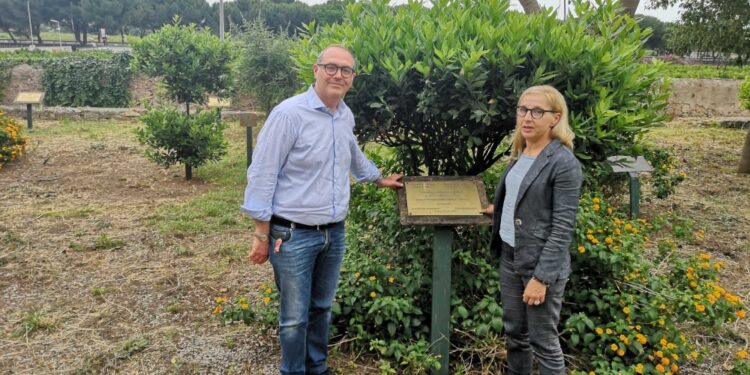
pixel 108 292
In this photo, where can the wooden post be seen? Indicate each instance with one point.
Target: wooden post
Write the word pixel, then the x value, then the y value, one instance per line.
pixel 248 120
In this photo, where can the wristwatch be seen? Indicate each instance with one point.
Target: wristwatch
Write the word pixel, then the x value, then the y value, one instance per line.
pixel 261 237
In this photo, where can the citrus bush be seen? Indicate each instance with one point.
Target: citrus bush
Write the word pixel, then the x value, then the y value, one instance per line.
pixel 174 137
pixel 12 143
pixel 93 81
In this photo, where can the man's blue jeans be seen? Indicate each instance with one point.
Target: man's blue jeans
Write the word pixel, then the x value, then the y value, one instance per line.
pixel 306 271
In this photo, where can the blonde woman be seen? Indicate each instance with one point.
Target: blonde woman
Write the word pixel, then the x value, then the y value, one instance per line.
pixel 533 221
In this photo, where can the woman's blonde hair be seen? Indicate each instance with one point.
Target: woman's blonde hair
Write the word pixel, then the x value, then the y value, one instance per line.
pixel 561 131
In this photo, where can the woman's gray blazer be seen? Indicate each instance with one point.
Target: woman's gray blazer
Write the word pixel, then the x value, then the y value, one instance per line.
pixel 545 214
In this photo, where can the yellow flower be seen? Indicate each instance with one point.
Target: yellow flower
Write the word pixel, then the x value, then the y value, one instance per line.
pixel 357 274
pixel 391 279
pixel 742 354
pixel 595 207
pixel 217 309
pixel 244 306
pixel 693 284
pixel 740 314
pixel 372 278
pixel 269 291
pixel 595 200
pixel 599 330
pixel 665 361
pixel 659 354
pixel 621 352
pixel 641 339
pixel 608 240
pixel 609 210
pixel 581 249
pixel 663 342
pixel 699 307
pixel 609 331
pixel 592 373
pixel 675 368
pixel 661 322
pixel 626 310
pixel 617 231
pixel 373 294
pixel 659 368
pixel 674 355
pixel 639 368
pixel 614 347
pixel 266 300
pixel 628 226
pixel 694 354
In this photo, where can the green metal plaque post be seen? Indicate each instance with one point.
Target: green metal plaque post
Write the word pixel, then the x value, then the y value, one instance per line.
pixel 441 296
pixel 28 116
pixel 635 194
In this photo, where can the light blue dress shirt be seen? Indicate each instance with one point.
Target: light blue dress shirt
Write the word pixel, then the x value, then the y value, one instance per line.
pixel 301 163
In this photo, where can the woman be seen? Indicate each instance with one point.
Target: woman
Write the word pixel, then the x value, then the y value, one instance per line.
pixel 533 220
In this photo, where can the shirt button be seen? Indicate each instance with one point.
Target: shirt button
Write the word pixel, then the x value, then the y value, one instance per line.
pixel 518 222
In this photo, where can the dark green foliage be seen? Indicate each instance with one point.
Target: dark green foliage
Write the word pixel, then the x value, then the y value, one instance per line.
pixel 744 93
pixel 266 70
pixel 87 81
pixel 658 28
pixel 175 137
pixel 192 62
pixel 440 84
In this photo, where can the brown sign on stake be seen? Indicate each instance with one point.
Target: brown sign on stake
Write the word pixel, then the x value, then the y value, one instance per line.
pixel 29 97
pixel 442 200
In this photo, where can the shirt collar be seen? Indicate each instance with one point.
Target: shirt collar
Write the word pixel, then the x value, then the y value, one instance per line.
pixel 313 100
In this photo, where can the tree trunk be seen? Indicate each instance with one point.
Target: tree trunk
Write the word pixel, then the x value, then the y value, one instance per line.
pixel 630 6
pixel 745 158
pixel 530 6
pixel 188 172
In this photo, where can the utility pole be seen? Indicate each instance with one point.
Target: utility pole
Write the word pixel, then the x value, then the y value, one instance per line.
pixel 31 31
pixel 221 19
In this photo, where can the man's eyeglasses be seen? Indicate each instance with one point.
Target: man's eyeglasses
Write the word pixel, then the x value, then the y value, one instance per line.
pixel 332 69
pixel 536 113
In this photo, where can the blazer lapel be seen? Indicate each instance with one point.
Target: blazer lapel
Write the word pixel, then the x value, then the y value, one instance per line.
pixel 536 168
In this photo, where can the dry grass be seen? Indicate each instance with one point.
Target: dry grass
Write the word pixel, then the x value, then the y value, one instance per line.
pixel 117 260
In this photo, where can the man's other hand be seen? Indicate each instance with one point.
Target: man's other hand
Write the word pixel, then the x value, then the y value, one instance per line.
pixel 392 181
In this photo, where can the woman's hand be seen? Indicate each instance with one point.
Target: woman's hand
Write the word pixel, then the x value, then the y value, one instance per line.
pixel 534 293
pixel 487 211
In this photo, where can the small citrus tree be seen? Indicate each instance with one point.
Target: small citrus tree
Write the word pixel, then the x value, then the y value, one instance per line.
pixel 192 64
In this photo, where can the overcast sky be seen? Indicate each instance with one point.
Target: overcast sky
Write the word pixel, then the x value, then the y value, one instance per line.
pixel 666 15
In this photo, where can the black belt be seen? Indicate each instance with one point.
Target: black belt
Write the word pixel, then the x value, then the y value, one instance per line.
pixel 290 224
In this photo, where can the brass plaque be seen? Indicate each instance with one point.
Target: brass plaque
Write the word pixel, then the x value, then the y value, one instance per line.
pixel 214 101
pixel 29 97
pixel 442 200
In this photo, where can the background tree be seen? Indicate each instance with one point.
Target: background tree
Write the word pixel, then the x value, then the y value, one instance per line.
pixel 716 27
pixel 192 63
pixel 658 28
pixel 530 6
pixel 266 70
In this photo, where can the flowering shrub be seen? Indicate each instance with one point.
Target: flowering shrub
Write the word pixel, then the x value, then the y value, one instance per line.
pixel 625 311
pixel 234 309
pixel 12 144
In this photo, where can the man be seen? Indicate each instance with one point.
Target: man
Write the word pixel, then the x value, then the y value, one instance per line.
pixel 298 195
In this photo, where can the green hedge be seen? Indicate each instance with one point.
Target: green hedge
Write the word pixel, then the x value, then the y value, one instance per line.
pixel 101 78
pixel 87 81
pixel 707 71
